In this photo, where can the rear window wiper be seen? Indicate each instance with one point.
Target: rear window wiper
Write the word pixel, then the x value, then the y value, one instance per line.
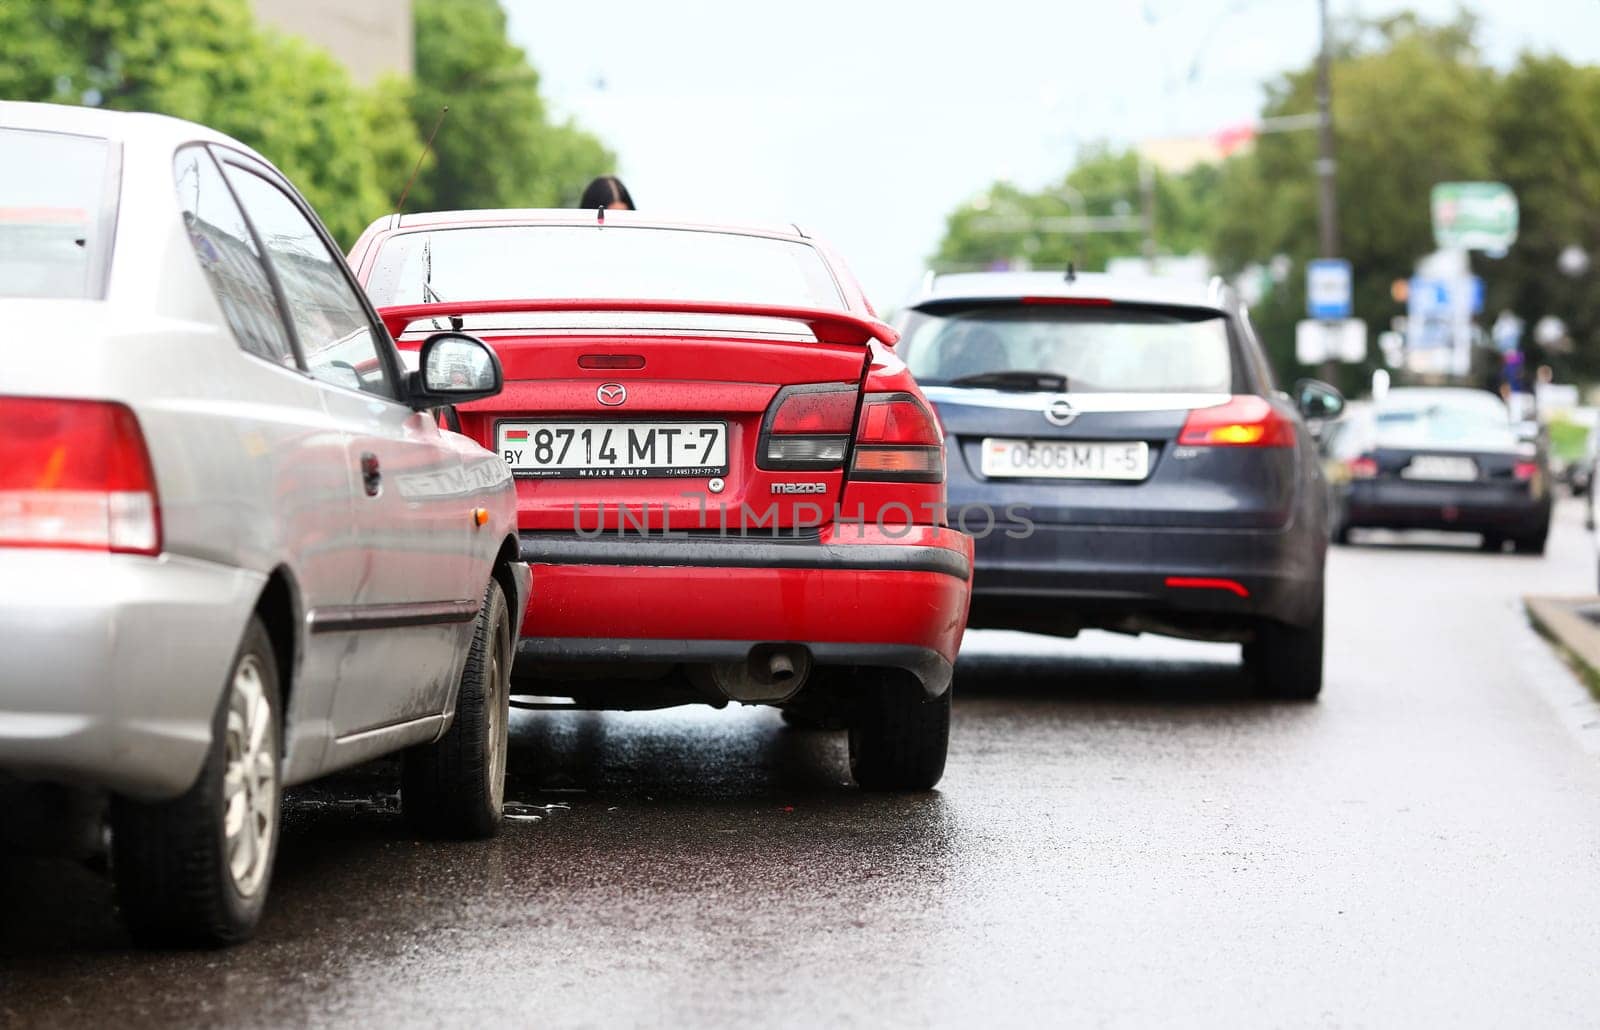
pixel 1053 382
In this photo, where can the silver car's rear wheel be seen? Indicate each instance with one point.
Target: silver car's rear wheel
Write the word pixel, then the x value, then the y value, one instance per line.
pixel 195 870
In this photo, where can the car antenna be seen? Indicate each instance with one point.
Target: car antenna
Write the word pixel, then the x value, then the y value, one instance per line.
pixel 1072 272
pixel 425 148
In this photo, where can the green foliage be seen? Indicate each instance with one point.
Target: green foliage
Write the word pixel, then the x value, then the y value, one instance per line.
pixel 1546 130
pixel 1108 183
pixel 497 146
pixel 206 61
pixel 349 149
pixel 1568 439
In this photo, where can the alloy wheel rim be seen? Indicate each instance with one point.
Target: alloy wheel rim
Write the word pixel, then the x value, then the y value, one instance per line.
pixel 249 779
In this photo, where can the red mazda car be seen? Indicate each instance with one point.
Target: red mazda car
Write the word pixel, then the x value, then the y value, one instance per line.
pixel 730 487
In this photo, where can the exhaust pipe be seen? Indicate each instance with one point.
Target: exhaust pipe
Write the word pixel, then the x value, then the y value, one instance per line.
pixel 769 674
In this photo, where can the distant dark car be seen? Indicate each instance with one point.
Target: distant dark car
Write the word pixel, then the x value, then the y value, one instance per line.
pixel 1442 458
pixel 1142 470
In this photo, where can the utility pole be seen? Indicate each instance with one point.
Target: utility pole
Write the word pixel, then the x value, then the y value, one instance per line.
pixel 1327 202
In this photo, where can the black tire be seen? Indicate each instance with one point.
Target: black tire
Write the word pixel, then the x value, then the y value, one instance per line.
pixel 454 787
pixel 1492 544
pixel 171 859
pixel 1286 660
pixel 1341 534
pixel 1530 544
pixel 898 735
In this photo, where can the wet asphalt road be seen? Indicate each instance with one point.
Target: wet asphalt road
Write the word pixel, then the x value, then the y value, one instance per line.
pixel 1124 836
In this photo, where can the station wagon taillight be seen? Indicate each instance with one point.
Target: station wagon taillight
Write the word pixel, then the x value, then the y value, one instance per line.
pixel 1363 467
pixel 897 439
pixel 808 427
pixel 75 474
pixel 1525 470
pixel 1243 421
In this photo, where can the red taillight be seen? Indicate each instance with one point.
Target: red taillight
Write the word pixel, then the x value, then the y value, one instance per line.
pixel 75 474
pixel 1244 421
pixel 898 439
pixel 808 427
pixel 1362 468
pixel 1525 470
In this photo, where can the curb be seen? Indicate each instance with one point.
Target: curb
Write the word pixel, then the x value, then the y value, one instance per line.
pixel 1572 625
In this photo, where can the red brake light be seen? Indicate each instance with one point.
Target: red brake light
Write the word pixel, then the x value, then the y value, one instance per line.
pixel 898 439
pixel 1525 470
pixel 611 361
pixel 819 411
pixel 76 474
pixel 1362 467
pixel 1242 421
pixel 808 427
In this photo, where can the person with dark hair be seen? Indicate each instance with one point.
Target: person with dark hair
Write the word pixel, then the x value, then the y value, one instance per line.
pixel 607 192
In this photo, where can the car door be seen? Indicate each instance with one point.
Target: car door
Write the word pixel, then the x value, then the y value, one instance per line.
pixel 287 496
pixel 411 532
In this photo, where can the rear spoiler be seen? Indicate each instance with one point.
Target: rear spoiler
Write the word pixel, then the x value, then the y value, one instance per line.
pixel 829 326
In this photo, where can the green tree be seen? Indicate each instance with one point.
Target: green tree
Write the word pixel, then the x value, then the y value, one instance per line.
pixel 1001 225
pixel 1546 130
pixel 1410 110
pixel 498 146
pixel 207 61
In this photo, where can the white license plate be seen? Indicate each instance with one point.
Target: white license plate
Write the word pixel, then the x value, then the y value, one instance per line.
pixel 1441 469
pixel 614 449
pixel 1064 459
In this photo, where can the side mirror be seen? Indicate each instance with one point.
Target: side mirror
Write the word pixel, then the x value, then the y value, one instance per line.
pixel 1317 400
pixel 453 368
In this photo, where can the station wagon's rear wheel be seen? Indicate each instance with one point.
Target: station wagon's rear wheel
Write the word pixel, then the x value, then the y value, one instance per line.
pixel 194 870
pixel 455 786
pixel 898 736
pixel 1286 660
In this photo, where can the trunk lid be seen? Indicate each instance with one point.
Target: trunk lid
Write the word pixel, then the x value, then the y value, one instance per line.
pixel 667 405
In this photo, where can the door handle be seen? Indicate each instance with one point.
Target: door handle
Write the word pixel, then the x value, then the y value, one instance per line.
pixel 371 476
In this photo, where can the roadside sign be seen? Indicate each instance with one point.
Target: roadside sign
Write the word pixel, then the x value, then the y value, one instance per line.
pixel 1316 341
pixel 1474 215
pixel 1328 289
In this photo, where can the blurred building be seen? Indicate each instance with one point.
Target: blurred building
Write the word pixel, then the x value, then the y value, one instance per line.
pixel 369 37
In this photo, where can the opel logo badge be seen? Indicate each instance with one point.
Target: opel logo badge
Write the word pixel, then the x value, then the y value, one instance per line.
pixel 1059 412
pixel 611 394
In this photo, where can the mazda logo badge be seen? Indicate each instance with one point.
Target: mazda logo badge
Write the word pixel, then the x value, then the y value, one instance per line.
pixel 1059 412
pixel 611 394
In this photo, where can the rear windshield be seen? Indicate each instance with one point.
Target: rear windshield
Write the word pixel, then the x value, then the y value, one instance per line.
pixel 1446 427
pixel 56 214
pixel 584 262
pixel 1096 349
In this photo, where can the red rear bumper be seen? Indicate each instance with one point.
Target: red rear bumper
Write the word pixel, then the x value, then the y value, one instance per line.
pixel 854 596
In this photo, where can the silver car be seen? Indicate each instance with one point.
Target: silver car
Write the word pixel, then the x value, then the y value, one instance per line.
pixel 237 551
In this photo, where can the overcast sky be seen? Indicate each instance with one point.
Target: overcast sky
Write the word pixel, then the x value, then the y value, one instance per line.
pixel 868 121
